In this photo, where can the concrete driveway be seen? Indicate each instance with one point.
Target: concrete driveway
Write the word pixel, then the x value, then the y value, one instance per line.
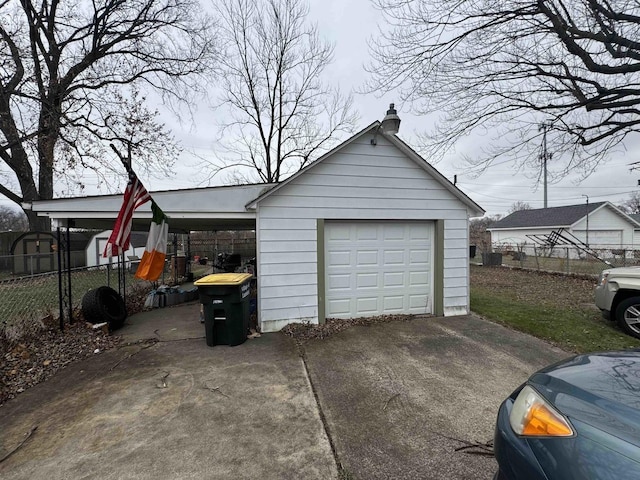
pixel 388 401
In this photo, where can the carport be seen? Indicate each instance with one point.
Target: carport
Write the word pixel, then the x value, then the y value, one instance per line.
pixel 200 209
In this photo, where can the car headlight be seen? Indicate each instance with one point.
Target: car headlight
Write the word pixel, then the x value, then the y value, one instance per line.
pixel 532 415
pixel 603 277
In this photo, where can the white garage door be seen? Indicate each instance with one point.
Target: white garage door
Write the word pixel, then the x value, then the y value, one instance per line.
pixel 601 238
pixel 375 268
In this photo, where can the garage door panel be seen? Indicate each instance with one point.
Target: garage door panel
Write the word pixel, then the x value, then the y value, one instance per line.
pixel 394 304
pixel 419 256
pixel 394 257
pixel 340 258
pixel 367 305
pixel 383 267
pixel 419 303
pixel 339 282
pixel 419 279
pixel 394 232
pixel 366 232
pixel 367 257
pixel 367 280
pixel 340 232
pixel 338 307
pixel 393 279
pixel 419 232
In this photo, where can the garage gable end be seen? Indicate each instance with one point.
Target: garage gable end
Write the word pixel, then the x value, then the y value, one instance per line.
pixel 357 159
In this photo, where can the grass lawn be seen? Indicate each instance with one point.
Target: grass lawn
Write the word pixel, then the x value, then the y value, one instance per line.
pixel 553 307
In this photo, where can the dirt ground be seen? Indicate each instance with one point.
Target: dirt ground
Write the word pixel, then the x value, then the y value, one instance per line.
pixel 534 287
pixel 36 350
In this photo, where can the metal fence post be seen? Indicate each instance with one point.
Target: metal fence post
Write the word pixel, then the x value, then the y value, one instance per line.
pixel 61 311
pixel 68 252
pixel 568 259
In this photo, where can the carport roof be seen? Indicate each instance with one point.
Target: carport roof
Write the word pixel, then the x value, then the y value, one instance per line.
pixel 206 209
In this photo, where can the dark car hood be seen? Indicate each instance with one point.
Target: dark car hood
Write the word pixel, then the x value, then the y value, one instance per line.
pixel 600 389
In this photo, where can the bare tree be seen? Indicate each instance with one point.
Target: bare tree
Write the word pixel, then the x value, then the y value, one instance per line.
pixel 517 206
pixel 282 114
pixel 12 219
pixel 632 204
pixel 502 68
pixel 63 66
pixel 478 234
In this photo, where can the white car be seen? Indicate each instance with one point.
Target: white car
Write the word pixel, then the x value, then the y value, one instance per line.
pixel 618 297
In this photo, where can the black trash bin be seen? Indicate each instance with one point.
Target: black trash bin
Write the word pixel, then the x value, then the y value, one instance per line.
pixel 225 298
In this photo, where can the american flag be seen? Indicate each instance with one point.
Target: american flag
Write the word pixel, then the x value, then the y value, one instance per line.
pixel 134 196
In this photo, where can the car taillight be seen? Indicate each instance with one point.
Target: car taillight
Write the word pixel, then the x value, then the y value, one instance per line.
pixel 532 415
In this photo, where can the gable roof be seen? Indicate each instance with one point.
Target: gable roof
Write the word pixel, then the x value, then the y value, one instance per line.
pixel 476 209
pixel 554 216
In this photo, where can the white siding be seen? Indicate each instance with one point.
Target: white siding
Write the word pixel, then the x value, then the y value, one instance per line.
pixel 359 182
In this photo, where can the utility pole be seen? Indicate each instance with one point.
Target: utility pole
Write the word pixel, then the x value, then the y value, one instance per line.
pixel 544 126
pixel 587 218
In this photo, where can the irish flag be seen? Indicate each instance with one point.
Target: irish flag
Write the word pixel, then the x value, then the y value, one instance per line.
pixel 152 262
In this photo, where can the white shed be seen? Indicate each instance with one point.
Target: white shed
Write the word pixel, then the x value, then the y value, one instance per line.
pixel 370 228
pixel 96 246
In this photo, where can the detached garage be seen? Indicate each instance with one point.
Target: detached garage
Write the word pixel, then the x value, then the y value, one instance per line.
pixel 368 229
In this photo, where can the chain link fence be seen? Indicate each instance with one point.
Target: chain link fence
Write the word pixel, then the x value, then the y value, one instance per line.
pixel 30 299
pixel 564 259
pixel 30 290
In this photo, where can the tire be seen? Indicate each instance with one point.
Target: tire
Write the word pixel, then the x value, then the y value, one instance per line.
pixel 628 316
pixel 104 304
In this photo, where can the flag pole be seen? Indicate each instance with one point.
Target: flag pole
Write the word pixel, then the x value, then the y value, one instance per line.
pixel 126 161
pixel 122 271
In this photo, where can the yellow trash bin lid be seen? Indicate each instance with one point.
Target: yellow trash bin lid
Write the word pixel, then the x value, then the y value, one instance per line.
pixel 223 279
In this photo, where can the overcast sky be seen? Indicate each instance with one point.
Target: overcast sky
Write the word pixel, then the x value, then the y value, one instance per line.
pixel 349 24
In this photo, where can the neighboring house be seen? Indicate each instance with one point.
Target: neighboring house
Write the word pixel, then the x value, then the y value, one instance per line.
pixel 367 229
pixel 601 225
pixel 96 245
